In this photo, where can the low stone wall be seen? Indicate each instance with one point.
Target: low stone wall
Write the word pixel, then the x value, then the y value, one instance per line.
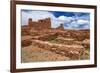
pixel 85 43
pixel 25 31
pixel 67 41
pixel 71 51
pixel 46 37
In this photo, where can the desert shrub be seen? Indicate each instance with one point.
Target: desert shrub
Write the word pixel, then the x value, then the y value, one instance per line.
pixel 34 34
pixel 86 55
pixel 52 37
pixel 48 37
pixel 25 32
pixel 25 43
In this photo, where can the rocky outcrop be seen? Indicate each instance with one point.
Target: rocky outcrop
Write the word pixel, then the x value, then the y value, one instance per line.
pixel 86 43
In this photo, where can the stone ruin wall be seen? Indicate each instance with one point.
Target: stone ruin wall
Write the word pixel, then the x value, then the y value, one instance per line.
pixel 40 24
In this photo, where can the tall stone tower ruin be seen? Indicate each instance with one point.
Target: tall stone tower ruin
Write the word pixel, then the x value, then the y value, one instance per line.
pixel 30 24
pixel 60 27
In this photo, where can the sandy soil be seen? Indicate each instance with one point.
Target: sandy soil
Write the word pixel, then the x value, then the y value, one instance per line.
pixel 35 54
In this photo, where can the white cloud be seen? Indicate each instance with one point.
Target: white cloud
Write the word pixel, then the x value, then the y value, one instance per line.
pixel 78 24
pixel 75 22
pixel 65 18
pixel 55 23
pixel 80 21
pixel 62 17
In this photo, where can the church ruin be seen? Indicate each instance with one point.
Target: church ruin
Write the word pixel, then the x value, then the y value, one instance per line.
pixel 42 24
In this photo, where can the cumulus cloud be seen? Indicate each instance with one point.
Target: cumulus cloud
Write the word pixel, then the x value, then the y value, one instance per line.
pixel 82 21
pixel 78 24
pixel 65 18
pixel 62 18
pixel 69 22
pixel 75 22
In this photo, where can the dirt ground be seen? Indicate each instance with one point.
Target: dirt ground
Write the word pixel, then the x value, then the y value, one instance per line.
pixel 35 54
pixel 55 45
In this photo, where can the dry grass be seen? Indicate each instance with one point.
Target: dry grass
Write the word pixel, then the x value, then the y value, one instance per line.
pixel 86 55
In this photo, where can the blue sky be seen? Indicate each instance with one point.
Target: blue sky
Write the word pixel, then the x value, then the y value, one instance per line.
pixel 70 20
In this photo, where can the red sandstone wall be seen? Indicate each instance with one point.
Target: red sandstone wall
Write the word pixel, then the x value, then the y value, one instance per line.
pixel 30 22
pixel 41 24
